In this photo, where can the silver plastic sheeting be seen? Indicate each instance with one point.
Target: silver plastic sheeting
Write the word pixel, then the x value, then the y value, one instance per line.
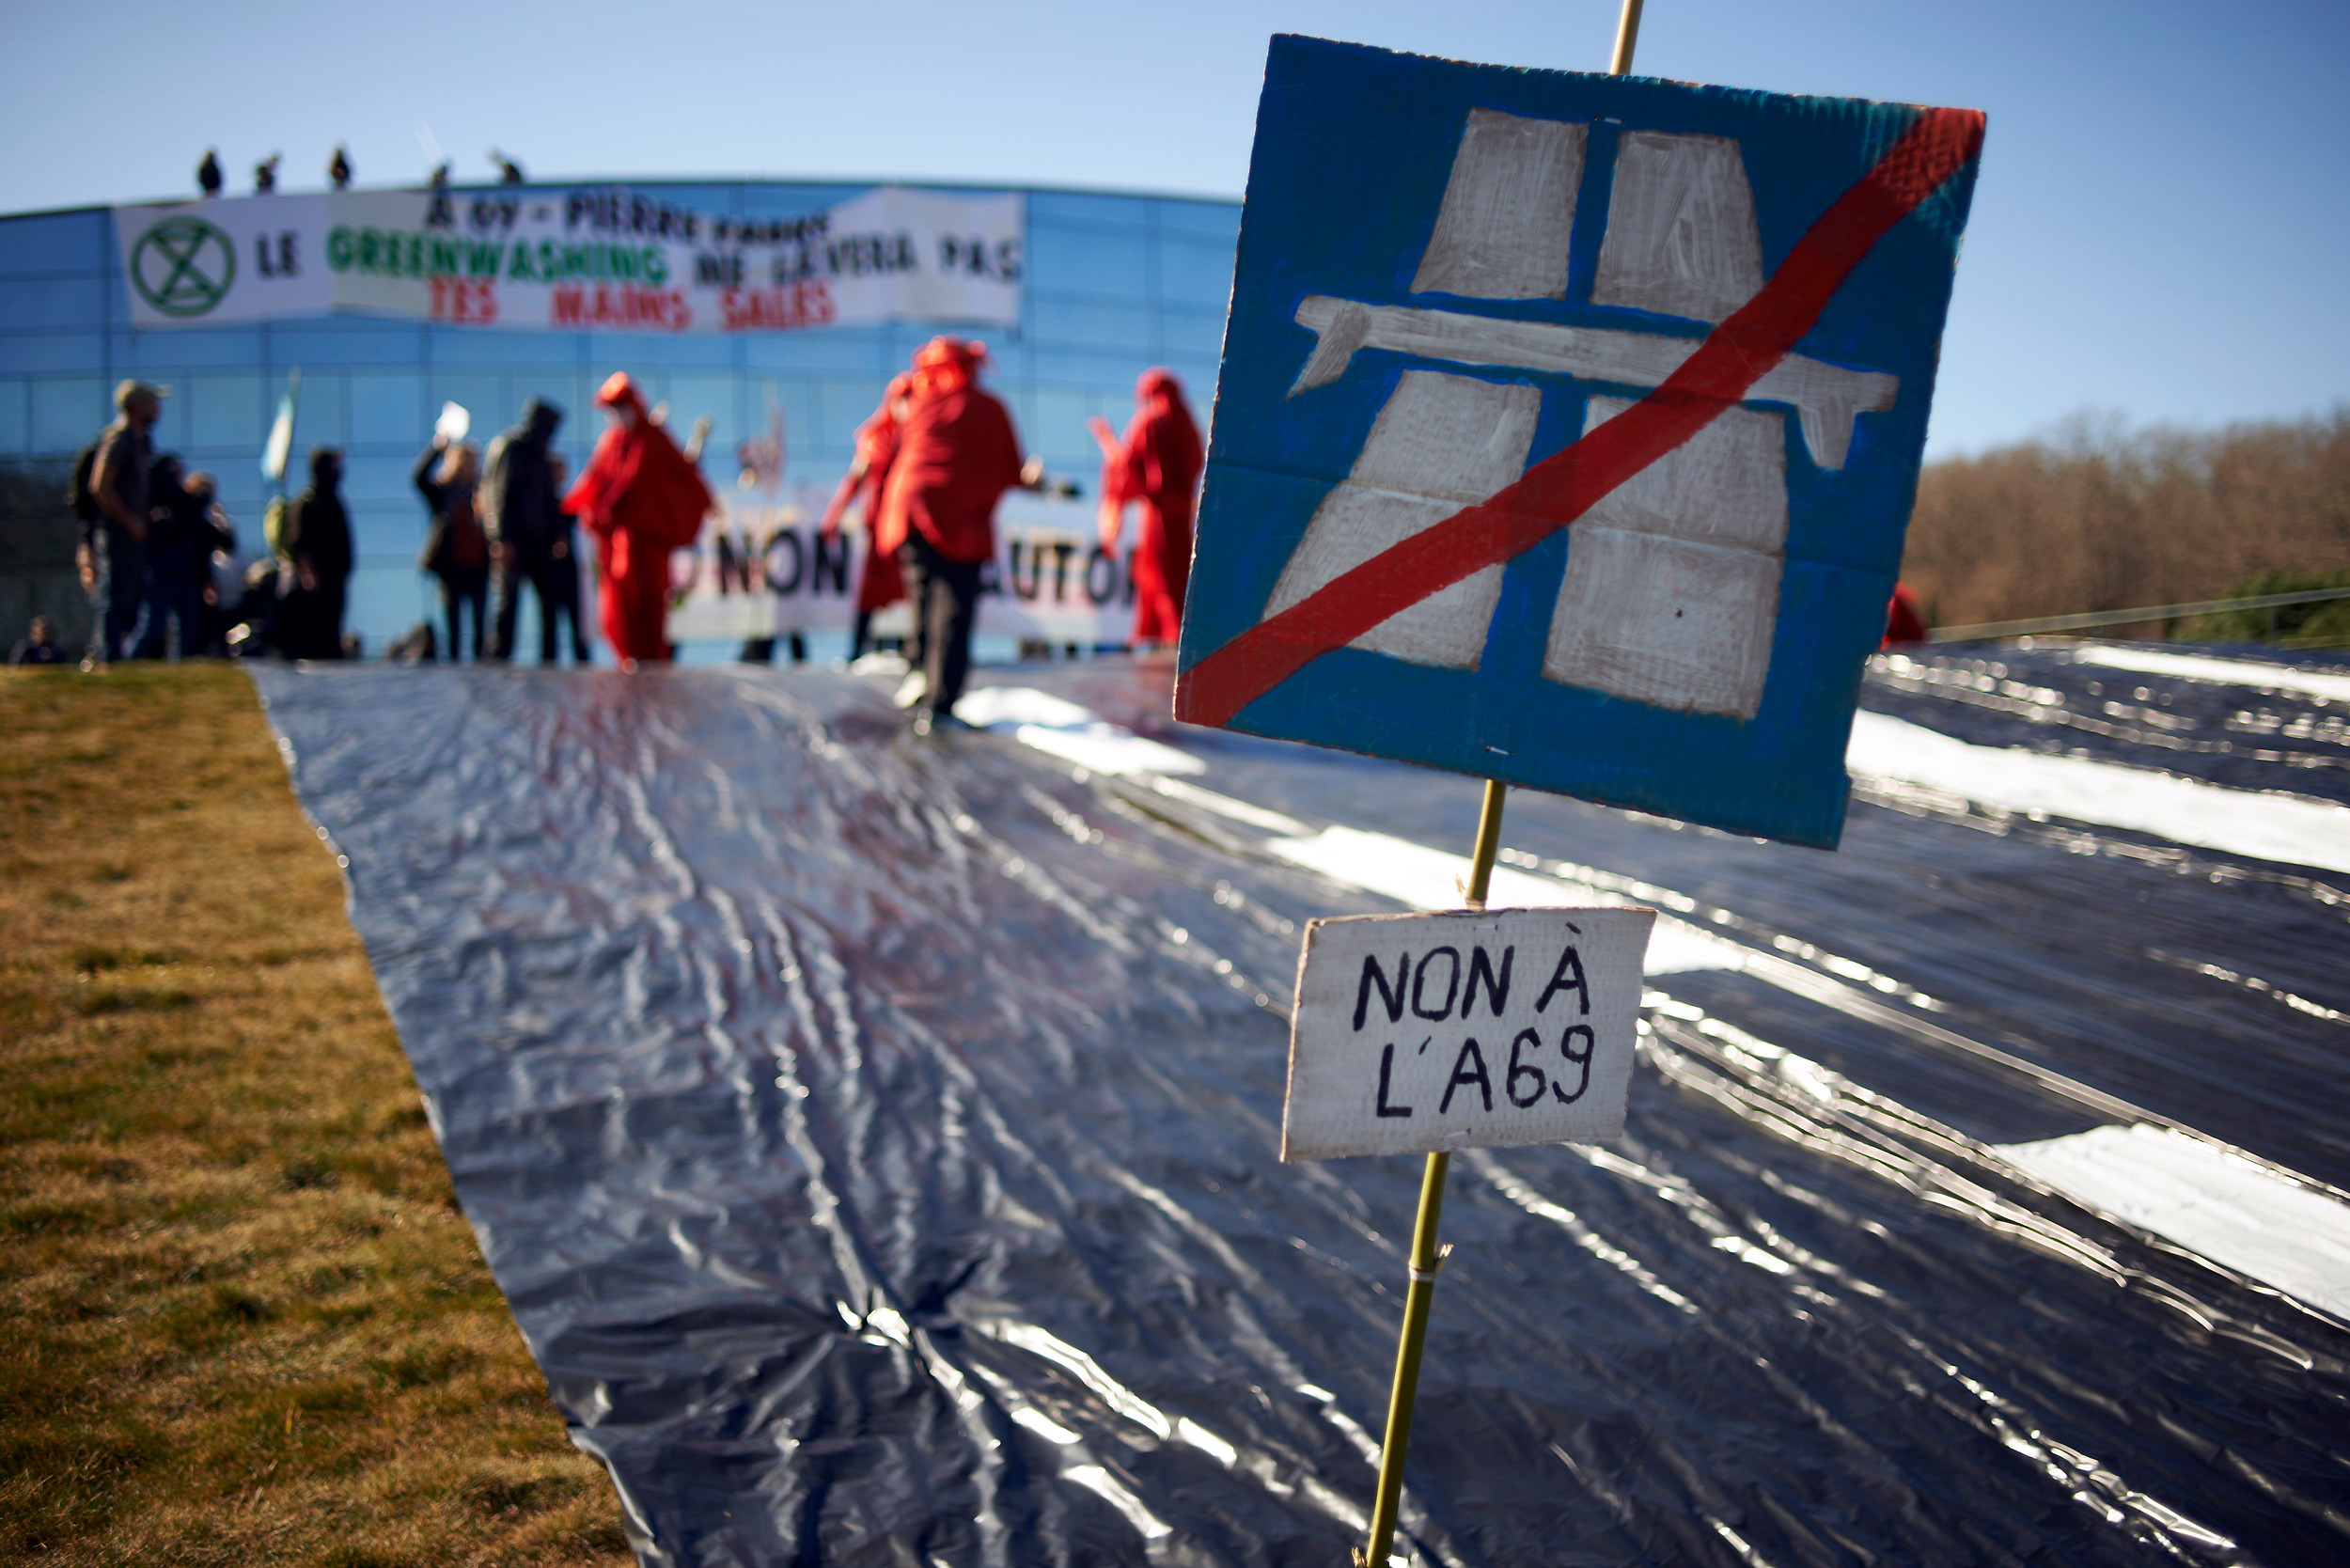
pixel 876 1141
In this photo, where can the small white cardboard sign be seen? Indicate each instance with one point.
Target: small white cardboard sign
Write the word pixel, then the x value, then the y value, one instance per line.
pixel 1472 1029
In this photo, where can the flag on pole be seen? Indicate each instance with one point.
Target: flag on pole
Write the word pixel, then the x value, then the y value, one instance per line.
pixel 280 444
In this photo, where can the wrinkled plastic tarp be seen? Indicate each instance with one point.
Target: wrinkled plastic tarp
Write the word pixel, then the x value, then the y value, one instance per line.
pixel 876 1140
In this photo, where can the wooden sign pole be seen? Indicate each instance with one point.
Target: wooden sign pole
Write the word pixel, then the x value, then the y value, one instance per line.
pixel 1627 34
pixel 1427 1257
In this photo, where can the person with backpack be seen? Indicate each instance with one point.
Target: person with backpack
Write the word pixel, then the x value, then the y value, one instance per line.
pixel 111 498
pixel 456 549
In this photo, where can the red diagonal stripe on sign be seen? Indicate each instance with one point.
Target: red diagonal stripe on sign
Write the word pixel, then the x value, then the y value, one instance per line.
pixel 1562 488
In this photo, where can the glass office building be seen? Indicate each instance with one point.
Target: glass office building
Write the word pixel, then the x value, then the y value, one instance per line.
pixel 1113 284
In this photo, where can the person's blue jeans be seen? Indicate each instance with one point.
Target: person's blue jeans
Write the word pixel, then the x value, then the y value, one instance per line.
pixel 467 592
pixel 172 599
pixel 119 592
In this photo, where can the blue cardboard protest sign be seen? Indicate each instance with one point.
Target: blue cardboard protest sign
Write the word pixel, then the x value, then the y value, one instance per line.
pixel 1567 426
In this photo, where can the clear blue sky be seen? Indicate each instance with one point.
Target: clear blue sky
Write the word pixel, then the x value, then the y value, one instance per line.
pixel 2161 231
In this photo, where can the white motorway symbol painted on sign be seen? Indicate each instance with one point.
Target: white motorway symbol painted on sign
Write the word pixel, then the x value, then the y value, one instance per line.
pixel 1672 589
pixel 1474 1029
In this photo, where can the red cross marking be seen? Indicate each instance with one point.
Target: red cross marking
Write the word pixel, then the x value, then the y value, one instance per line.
pixel 1562 488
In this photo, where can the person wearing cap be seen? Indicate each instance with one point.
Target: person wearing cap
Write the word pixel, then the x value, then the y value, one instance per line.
pixel 957 454
pixel 115 570
pixel 641 498
pixel 1155 465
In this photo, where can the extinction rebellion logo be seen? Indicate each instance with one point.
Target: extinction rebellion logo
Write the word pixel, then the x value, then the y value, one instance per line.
pixel 183 266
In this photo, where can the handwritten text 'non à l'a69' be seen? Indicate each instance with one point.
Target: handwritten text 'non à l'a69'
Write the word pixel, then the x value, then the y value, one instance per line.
pixel 1463 1030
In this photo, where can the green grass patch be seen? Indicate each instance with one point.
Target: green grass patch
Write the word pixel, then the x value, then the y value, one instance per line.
pixel 242 1318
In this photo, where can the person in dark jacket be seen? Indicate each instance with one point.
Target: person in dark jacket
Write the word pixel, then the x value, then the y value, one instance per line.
pixel 456 547
pixel 559 589
pixel 318 542
pixel 218 568
pixel 523 522
pixel 183 531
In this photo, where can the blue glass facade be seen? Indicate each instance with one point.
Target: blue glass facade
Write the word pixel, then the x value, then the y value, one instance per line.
pixel 1114 283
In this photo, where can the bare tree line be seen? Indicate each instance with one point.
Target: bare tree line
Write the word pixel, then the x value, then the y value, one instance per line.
pixel 2096 516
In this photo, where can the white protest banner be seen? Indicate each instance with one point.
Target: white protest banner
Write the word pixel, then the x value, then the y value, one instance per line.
pixel 590 259
pixel 208 263
pixel 765 568
pixel 1475 1028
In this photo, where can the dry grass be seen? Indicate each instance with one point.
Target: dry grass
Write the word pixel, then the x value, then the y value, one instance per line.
pixel 242 1318
pixel 2099 517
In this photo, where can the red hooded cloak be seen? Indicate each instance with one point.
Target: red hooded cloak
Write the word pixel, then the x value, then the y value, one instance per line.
pixel 867 481
pixel 1156 465
pixel 957 456
pixel 641 498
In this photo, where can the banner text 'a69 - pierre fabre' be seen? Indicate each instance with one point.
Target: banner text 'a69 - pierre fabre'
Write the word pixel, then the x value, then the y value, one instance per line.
pixel 590 259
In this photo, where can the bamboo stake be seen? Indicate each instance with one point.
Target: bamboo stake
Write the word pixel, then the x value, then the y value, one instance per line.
pixel 1427 1256
pixel 1627 34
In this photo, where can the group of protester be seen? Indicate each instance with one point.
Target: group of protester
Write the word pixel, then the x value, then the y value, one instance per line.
pixel 931 465
pixel 154 537
pixel 155 540
pixel 504 520
pixel 498 525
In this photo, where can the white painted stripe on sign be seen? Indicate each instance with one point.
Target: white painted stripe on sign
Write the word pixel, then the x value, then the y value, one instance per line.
pixel 2228 672
pixel 2215 1202
pixel 2286 828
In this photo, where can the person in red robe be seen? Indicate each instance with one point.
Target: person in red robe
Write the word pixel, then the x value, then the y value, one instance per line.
pixel 957 454
pixel 882 583
pixel 1904 624
pixel 1156 465
pixel 641 498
